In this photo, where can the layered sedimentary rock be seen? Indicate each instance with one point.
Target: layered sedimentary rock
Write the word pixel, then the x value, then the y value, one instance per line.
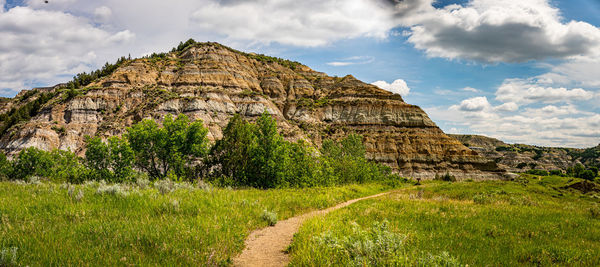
pixel 211 82
pixel 520 157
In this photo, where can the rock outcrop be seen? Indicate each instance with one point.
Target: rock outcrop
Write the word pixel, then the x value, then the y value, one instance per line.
pixel 211 82
pixel 520 157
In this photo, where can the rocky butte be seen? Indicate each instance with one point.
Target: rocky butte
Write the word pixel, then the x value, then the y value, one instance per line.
pixel 211 82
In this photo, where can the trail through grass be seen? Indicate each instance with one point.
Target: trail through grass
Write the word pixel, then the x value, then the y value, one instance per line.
pixel 50 224
pixel 532 221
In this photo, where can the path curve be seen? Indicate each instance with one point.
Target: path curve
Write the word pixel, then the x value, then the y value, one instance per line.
pixel 265 247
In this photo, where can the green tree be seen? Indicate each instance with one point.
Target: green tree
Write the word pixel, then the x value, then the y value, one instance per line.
pixel 267 154
pixel 57 165
pixel 112 161
pixel 32 161
pixel 587 175
pixel 231 155
pixel 5 167
pixel 348 161
pixel 174 149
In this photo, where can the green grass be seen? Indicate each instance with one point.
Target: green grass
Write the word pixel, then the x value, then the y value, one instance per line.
pixel 532 221
pixel 50 224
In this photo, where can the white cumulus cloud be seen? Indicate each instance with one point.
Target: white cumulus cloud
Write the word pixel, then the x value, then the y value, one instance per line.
pixel 473 104
pixel 398 86
pixel 40 45
pixel 500 31
pixel 529 91
pixel 510 106
pixel 292 22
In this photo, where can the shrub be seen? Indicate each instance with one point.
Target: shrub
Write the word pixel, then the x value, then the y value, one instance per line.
pixel 481 199
pixel 114 189
pixel 538 172
pixel 595 212
pixel 521 165
pixel 446 177
pixel 58 165
pixel 5 167
pixel 556 172
pixel 269 217
pixel 587 175
pixel 164 186
pixel 374 246
pixel 8 256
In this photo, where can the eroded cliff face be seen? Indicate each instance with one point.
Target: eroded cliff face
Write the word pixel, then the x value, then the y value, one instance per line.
pixel 521 157
pixel 212 82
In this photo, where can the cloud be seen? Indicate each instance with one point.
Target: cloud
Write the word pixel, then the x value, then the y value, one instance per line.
pixel 509 107
pixel 357 60
pixel 581 71
pixel 558 126
pixel 499 31
pixel 40 46
pixel 399 86
pixel 530 91
pixel 290 22
pixel 535 123
pixel 473 104
pixel 470 89
pixel 102 14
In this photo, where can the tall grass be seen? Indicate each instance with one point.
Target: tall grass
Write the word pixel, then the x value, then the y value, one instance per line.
pixel 534 221
pixel 106 225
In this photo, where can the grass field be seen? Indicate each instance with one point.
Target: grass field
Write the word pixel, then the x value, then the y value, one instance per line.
pixel 533 221
pixel 102 225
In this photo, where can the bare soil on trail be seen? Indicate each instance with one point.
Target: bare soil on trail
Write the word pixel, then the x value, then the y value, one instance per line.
pixel 266 247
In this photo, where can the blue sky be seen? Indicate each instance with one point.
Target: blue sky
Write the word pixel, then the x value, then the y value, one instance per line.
pixel 522 71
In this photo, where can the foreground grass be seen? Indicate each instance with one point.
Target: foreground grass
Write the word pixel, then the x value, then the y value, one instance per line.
pixel 534 221
pixel 50 224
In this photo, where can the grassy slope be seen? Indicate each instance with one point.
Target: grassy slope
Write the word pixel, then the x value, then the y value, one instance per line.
pixel 184 227
pixel 531 222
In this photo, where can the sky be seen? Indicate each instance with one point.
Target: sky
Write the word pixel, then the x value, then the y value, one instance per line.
pixel 524 71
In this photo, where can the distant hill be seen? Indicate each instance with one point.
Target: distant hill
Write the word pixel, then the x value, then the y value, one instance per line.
pixel 520 157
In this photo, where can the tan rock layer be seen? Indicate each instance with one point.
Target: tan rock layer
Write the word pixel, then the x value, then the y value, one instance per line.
pixel 211 82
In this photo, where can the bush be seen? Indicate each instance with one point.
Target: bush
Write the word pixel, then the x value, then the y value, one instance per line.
pixel 446 177
pixel 538 172
pixel 346 161
pixel 594 212
pixel 481 199
pixel 521 165
pixel 58 165
pixel 5 167
pixel 8 256
pixel 556 172
pixel 587 175
pixel 580 171
pixel 269 216
pixel 375 246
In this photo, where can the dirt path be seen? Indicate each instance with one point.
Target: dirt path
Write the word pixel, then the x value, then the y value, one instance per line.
pixel 265 247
